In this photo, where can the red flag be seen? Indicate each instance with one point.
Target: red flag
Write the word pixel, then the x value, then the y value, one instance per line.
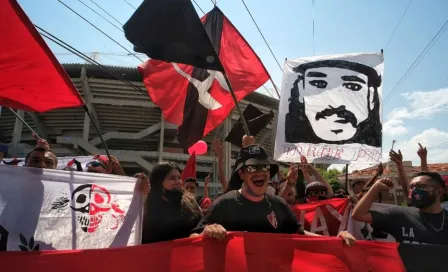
pixel 327 217
pixel 30 76
pixel 190 168
pixel 239 252
pixel 198 100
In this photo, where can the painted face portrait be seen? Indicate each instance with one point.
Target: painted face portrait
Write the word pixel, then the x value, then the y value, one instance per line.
pixel 335 102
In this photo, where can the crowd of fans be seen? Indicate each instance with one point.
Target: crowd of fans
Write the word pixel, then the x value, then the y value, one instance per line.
pixel 253 200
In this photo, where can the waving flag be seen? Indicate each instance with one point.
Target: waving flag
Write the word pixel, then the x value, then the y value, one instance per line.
pixel 196 99
pixel 30 76
pixel 170 30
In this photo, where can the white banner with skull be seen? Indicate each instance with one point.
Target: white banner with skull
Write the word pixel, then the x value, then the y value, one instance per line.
pixel 330 109
pixel 43 209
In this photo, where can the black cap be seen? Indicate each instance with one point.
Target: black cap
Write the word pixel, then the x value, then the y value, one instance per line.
pixel 251 155
pixel 315 185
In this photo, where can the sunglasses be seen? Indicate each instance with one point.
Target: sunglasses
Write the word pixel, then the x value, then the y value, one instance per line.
pixel 255 168
pixel 317 193
pixel 95 164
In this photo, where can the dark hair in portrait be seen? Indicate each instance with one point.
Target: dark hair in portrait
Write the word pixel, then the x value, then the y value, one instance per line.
pixel 297 126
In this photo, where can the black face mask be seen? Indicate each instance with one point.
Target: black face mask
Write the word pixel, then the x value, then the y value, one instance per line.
pixel 422 199
pixel 173 196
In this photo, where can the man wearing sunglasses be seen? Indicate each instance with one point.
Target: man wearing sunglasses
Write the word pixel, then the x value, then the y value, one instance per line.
pixel 251 208
pixel 315 191
pixel 425 222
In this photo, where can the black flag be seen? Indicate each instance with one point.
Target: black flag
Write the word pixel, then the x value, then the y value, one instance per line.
pixel 256 120
pixel 171 31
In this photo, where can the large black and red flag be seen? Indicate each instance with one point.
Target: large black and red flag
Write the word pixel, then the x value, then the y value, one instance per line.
pixel 170 30
pixel 199 100
pixel 31 78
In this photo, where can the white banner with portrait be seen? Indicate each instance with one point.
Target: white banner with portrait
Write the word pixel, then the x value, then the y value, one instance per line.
pixel 42 209
pixel 330 109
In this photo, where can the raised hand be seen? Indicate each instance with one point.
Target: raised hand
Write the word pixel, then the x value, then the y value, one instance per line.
pixel 293 174
pixel 41 143
pixel 380 169
pixel 207 180
pixel 384 184
pixel 248 140
pixel 396 157
pixel 422 152
pixel 217 146
pixel 142 183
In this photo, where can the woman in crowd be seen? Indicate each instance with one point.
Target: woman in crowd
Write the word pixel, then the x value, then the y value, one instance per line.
pixel 171 213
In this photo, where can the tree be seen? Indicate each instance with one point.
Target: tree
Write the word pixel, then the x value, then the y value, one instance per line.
pixel 332 177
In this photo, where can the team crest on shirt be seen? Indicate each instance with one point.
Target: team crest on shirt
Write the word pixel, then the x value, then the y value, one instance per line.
pixel 272 219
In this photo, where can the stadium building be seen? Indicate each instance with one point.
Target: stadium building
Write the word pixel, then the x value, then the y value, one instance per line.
pixel 130 123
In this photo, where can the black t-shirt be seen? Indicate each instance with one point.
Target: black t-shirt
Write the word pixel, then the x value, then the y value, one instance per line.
pixel 236 213
pixel 166 221
pixel 410 225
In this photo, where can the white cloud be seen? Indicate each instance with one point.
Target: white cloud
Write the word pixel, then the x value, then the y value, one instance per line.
pixel 394 127
pixel 427 104
pixel 422 105
pixel 436 142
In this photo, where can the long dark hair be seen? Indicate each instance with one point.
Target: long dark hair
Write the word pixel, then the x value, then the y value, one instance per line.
pixel 155 197
pixel 297 126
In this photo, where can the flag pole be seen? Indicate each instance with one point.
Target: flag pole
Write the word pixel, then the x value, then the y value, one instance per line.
pixel 97 128
pixel 25 123
pixel 275 87
pixel 246 128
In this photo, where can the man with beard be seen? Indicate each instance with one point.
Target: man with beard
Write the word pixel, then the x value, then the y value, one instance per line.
pixel 423 223
pixel 334 102
pixel 250 208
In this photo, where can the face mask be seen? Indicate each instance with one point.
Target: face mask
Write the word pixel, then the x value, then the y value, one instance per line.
pixel 173 196
pixel 421 199
pixel 312 199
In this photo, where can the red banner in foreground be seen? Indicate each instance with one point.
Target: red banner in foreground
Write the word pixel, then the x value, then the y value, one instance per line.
pixel 239 252
pixel 327 217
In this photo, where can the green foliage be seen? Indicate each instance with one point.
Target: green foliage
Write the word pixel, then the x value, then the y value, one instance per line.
pixel 332 177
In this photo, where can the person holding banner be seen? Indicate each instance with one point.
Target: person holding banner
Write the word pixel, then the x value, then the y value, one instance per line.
pixel 41 156
pixel 250 208
pixel 171 212
pixel 423 223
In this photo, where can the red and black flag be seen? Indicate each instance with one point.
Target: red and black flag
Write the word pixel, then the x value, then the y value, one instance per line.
pixel 31 78
pixel 170 30
pixel 256 120
pixel 199 100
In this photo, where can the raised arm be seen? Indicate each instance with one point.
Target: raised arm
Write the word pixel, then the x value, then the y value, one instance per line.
pixel 206 181
pixel 311 170
pixel 398 159
pixel 423 154
pixel 361 212
pixel 291 179
pixel 379 172
pixel 217 147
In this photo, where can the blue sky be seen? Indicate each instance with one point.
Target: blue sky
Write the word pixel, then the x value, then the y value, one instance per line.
pixel 417 111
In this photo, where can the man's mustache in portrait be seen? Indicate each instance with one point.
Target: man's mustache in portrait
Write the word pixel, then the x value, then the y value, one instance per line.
pixel 345 115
